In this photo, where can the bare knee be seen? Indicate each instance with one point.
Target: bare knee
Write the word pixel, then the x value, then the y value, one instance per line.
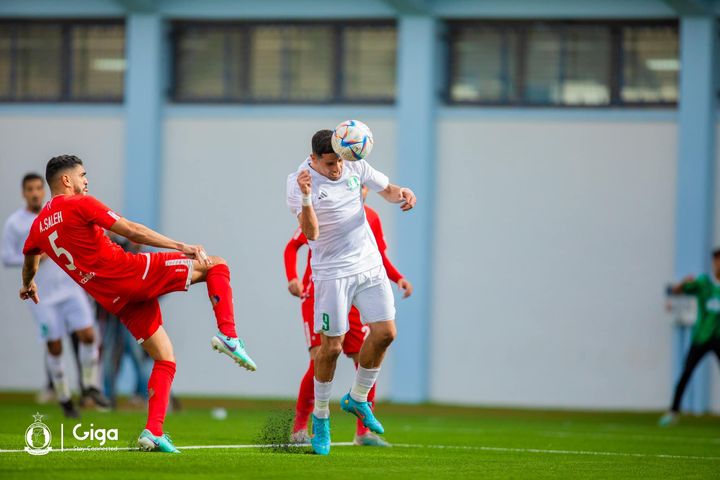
pixel 331 348
pixel 159 347
pixel 383 337
pixel 217 261
pixel 54 347
pixel 86 335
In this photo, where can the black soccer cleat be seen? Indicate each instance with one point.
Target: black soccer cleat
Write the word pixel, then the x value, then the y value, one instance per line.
pixel 93 397
pixel 69 409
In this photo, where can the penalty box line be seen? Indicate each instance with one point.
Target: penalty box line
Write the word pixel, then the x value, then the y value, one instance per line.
pixel 408 445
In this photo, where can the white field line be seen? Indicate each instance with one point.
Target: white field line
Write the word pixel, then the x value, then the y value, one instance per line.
pixel 557 452
pixel 410 445
pixel 186 447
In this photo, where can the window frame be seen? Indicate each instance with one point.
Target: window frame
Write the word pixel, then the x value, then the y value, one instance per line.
pixel 245 27
pixel 66 62
pixel 615 75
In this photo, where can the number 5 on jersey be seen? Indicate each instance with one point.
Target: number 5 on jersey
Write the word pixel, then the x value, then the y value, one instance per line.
pixel 59 251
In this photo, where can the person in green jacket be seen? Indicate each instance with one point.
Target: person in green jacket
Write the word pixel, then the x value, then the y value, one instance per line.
pixel 705 333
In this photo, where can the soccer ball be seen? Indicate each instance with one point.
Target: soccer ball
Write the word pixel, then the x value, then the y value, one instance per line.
pixel 352 140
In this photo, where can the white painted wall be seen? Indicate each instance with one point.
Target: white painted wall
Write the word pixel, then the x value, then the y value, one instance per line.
pixel 27 142
pixel 550 289
pixel 224 187
pixel 554 240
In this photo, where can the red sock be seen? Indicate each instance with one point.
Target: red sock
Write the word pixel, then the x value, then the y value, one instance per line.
pixel 220 292
pixel 306 399
pixel 159 384
pixel 362 429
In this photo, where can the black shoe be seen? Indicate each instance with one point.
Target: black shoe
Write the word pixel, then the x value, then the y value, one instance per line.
pixel 93 397
pixel 69 409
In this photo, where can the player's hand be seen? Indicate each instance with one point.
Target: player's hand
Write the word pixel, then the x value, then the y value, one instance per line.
pixel 295 288
pixel 305 181
pixel 406 287
pixel 196 252
pixel 408 197
pixel 30 292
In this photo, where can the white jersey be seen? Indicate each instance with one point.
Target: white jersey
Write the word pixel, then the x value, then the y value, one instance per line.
pixel 54 285
pixel 346 245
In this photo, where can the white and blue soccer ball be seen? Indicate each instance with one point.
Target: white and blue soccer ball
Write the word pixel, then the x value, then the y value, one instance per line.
pixel 352 140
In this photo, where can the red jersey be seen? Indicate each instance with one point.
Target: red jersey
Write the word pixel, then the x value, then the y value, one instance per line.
pixel 298 240
pixel 70 229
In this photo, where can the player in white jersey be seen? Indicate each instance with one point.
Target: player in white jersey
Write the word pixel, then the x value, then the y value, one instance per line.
pixel 326 196
pixel 65 307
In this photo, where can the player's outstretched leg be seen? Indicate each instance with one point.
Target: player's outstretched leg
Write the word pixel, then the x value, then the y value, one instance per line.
pixel 304 407
pixel 371 356
pixel 160 349
pixel 226 340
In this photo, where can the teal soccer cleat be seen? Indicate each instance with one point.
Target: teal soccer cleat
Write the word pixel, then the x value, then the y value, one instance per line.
pixel 233 348
pixel 150 443
pixel 321 435
pixel 668 420
pixel 363 411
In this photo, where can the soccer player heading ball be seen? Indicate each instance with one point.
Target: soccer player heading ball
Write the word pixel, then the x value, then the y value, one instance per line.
pixel 70 229
pixel 325 195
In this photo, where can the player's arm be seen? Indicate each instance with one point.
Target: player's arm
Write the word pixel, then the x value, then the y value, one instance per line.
pixel 307 218
pixel 142 235
pixel 29 270
pixel 295 286
pixel 396 194
pixel 687 285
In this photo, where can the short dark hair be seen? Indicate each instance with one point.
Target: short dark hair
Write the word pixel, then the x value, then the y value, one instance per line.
pixel 716 253
pixel 29 177
pixel 321 142
pixel 59 164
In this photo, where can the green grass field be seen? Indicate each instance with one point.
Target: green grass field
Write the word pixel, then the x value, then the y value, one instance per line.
pixel 430 442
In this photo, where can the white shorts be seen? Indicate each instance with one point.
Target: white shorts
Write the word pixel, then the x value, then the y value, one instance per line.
pixel 369 291
pixel 56 319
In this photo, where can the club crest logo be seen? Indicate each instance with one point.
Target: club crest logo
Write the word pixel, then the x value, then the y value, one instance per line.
pixel 353 182
pixel 38 437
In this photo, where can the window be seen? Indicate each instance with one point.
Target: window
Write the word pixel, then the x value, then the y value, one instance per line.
pixel 651 62
pixel 563 63
pixel 284 62
pixel 61 61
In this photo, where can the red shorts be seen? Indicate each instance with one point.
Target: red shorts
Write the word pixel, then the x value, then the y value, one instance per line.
pixel 165 272
pixel 354 337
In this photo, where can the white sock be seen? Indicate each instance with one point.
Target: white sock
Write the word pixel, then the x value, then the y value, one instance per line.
pixel 322 398
pixel 89 362
pixel 364 380
pixel 57 374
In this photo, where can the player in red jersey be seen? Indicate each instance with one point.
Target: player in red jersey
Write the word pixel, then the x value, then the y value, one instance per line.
pixel 70 229
pixel 353 338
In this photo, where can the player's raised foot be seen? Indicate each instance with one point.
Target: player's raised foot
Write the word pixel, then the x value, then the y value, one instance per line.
pixel 362 410
pixel 320 440
pixel 369 439
pixel 69 409
pixel 92 397
pixel 233 348
pixel 148 442
pixel 668 419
